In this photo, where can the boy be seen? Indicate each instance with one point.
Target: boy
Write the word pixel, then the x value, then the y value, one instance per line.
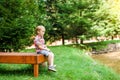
pixel 41 48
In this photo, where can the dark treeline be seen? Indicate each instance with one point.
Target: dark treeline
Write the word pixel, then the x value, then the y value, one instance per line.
pixel 63 19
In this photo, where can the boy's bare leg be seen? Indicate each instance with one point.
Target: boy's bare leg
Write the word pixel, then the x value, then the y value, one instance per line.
pixel 51 66
pixel 51 59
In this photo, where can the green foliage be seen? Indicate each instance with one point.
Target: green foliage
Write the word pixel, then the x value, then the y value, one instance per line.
pixel 70 18
pixel 107 18
pixel 63 19
pixel 17 20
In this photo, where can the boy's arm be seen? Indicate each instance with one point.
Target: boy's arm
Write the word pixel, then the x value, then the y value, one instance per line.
pixel 40 45
pixel 42 48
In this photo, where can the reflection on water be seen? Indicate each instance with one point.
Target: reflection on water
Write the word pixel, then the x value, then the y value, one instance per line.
pixel 110 59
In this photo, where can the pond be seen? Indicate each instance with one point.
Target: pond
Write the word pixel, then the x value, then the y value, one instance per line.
pixel 110 59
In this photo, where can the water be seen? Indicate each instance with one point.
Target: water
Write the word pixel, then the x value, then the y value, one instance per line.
pixel 110 59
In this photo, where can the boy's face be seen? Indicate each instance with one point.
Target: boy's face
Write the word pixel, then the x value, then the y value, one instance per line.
pixel 42 32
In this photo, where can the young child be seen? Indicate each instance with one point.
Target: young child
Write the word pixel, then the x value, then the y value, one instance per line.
pixel 41 48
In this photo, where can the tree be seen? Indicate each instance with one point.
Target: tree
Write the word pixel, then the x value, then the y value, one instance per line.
pixel 107 18
pixel 70 18
pixel 17 20
pixel 81 19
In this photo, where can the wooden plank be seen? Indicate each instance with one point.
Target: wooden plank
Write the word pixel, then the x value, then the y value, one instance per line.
pixel 16 53
pixel 18 59
pixel 41 58
pixel 23 58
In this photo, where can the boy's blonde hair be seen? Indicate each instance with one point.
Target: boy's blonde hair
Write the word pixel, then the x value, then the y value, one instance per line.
pixel 38 28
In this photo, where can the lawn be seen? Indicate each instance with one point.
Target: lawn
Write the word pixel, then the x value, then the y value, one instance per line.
pixel 72 64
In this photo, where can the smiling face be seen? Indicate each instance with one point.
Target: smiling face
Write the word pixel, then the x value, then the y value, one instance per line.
pixel 40 30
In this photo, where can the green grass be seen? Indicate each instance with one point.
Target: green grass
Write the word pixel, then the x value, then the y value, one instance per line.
pixel 72 64
pixel 97 46
pixel 101 45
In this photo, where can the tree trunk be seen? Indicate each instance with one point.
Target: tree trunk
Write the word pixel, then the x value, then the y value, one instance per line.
pixel 63 42
pixel 81 41
pixel 112 37
pixel 76 40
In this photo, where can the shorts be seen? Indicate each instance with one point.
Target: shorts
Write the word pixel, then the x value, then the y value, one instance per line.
pixel 44 52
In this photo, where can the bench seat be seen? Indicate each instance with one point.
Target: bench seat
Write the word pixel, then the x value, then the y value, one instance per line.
pixel 23 58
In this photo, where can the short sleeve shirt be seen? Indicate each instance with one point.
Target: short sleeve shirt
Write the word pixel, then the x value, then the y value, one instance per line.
pixel 39 41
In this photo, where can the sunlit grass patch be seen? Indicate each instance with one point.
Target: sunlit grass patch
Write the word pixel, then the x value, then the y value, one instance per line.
pixel 72 64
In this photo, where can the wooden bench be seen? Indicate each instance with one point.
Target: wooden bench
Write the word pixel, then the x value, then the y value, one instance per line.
pixel 23 58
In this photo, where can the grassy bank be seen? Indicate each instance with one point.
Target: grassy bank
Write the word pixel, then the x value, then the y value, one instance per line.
pixel 72 64
pixel 95 45
pixel 101 45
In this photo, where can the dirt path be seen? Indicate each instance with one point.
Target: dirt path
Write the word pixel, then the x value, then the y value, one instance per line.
pixel 111 59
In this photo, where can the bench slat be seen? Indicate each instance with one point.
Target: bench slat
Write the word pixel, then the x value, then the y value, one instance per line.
pixel 18 59
pixel 23 58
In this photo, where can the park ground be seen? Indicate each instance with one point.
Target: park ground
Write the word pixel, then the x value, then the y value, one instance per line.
pixel 72 64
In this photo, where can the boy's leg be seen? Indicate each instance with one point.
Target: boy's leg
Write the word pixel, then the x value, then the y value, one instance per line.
pixel 50 56
pixel 51 62
pixel 51 59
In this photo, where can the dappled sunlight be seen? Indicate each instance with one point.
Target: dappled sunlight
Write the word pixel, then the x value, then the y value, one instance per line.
pixel 115 5
pixel 114 8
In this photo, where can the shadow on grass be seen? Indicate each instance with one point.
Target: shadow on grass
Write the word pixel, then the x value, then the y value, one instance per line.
pixel 6 70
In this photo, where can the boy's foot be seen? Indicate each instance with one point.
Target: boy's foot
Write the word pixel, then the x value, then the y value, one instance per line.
pixel 52 68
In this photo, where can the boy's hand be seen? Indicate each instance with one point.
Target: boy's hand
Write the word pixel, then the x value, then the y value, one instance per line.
pixel 47 49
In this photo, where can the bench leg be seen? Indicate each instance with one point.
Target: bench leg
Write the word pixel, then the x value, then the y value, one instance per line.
pixel 36 70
